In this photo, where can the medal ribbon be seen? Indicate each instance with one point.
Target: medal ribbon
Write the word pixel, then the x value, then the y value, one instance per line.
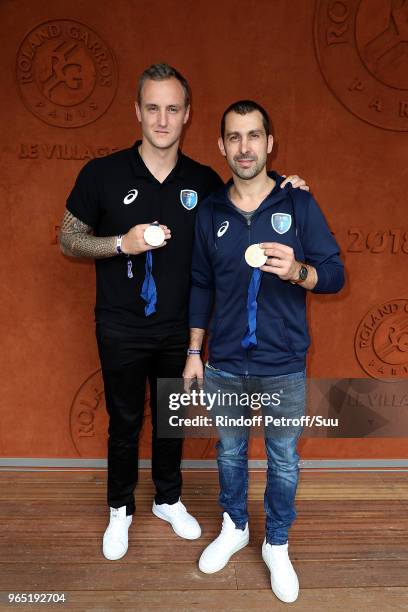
pixel 149 292
pixel 249 340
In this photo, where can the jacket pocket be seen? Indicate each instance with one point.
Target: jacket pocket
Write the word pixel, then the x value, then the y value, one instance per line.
pixel 273 337
pixel 216 331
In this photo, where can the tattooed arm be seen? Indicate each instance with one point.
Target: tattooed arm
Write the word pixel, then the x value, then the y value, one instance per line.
pixel 77 240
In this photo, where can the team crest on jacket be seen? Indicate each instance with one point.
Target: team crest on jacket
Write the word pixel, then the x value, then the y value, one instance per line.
pixel 188 198
pixel 281 222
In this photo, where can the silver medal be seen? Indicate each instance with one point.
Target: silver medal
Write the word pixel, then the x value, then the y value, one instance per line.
pixel 255 256
pixel 154 235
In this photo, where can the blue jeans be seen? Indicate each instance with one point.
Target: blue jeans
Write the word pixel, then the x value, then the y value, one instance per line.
pixel 280 442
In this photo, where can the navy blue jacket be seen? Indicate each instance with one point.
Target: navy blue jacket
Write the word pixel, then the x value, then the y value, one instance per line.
pixel 220 278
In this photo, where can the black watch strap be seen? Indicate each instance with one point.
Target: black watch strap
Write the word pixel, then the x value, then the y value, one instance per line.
pixel 303 272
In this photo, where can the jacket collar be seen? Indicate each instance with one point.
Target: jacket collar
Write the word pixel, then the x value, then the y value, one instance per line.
pixel 276 195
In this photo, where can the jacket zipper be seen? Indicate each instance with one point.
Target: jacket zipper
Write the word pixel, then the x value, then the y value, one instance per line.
pixel 248 221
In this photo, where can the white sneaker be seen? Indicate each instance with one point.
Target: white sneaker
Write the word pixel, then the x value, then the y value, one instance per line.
pixel 115 538
pixel 284 581
pixel 218 553
pixel 182 522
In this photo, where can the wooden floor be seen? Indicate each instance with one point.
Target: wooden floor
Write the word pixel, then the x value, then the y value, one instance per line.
pixel 349 545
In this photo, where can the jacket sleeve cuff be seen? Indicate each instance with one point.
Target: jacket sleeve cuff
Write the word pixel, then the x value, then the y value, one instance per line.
pixel 330 279
pixel 199 320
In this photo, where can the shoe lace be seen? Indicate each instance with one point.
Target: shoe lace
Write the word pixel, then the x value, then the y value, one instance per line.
pixel 279 556
pixel 178 508
pixel 116 516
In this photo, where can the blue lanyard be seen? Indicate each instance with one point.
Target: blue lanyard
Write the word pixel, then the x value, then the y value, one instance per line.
pixel 149 292
pixel 249 340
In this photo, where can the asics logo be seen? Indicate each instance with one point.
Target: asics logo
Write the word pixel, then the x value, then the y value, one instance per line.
pixel 223 228
pixel 131 196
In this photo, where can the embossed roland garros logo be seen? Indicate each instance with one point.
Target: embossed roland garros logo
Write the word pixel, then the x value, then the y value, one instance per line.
pixel 88 418
pixel 362 48
pixel 381 341
pixel 66 73
pixel 89 421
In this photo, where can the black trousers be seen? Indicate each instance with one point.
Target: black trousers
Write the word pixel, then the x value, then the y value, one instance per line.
pixel 127 363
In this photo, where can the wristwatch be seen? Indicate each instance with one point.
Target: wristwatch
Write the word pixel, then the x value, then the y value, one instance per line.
pixel 303 272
